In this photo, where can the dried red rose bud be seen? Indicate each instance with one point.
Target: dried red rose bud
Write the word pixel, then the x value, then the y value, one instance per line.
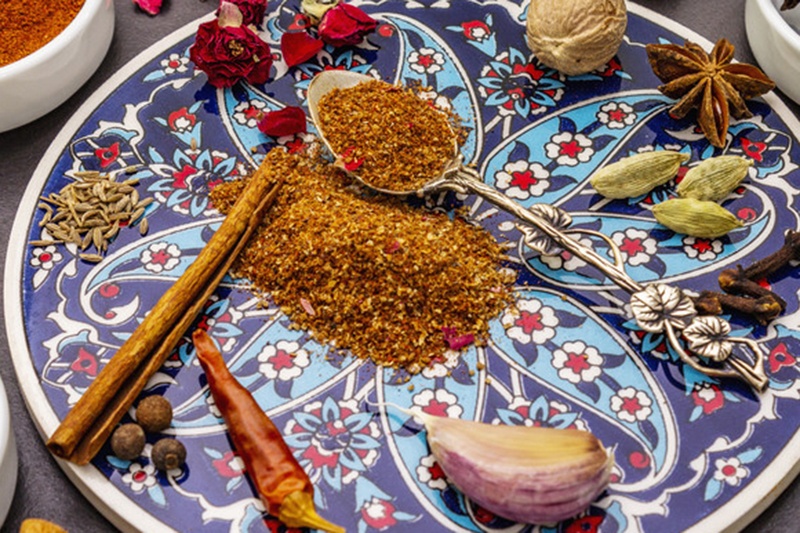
pixel 299 47
pixel 152 7
pixel 252 10
pixel 345 25
pixel 228 51
pixel 290 120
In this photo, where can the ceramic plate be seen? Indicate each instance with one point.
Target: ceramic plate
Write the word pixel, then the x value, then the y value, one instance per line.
pixel 692 452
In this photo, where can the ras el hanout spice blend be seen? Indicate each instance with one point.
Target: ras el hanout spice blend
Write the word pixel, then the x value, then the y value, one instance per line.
pixel 390 282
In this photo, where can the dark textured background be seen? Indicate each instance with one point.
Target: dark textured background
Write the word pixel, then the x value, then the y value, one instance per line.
pixel 42 489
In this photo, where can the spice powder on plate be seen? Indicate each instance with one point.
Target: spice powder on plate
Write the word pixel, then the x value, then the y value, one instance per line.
pixel 389 136
pixel 371 274
pixel 27 26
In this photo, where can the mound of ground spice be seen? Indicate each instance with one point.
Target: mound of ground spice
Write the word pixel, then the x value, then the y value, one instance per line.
pixel 373 275
pixel 27 26
pixel 391 138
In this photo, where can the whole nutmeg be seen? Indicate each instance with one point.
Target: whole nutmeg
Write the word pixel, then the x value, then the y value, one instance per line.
pixel 576 36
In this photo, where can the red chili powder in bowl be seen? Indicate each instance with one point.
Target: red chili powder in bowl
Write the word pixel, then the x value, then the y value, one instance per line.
pixel 27 26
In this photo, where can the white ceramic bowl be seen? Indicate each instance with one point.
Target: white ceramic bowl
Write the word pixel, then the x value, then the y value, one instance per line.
pixel 774 37
pixel 8 457
pixel 43 80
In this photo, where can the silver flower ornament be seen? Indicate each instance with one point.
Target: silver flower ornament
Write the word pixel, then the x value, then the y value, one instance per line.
pixel 707 336
pixel 658 306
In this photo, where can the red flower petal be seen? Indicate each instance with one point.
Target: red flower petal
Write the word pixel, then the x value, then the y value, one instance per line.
pixel 454 340
pixel 153 7
pixel 345 25
pixel 299 47
pixel 287 121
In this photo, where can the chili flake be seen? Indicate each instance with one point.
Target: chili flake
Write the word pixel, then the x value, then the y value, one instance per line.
pixel 371 121
pixel 324 248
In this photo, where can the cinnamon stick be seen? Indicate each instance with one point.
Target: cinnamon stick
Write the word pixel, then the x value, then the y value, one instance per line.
pixel 83 431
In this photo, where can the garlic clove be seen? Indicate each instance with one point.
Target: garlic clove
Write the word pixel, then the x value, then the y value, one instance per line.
pixel 527 474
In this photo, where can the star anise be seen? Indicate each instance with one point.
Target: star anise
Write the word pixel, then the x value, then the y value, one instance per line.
pixel 789 4
pixel 710 83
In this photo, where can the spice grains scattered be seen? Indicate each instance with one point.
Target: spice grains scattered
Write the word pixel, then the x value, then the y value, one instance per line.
pixel 90 211
pixel 27 26
pixel 370 274
pixel 387 135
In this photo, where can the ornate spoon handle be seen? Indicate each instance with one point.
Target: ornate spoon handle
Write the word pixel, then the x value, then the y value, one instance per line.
pixel 657 308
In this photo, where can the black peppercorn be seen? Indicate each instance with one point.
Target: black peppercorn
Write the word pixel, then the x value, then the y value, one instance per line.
pixel 154 414
pixel 167 454
pixel 127 441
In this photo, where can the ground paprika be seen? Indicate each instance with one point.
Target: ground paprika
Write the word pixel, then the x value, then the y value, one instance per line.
pixel 27 26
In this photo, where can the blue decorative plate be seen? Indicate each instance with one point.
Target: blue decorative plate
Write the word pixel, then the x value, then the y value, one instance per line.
pixel 692 452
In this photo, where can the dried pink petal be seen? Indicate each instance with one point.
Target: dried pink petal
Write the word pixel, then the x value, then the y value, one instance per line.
pixel 454 340
pixel 290 120
pixel 152 7
pixel 345 25
pixel 299 47
pixel 307 307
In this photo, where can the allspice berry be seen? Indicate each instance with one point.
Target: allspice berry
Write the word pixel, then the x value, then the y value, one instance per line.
pixel 167 454
pixel 154 414
pixel 127 441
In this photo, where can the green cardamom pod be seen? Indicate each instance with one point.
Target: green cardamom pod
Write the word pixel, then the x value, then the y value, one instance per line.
pixel 637 174
pixel 698 218
pixel 715 178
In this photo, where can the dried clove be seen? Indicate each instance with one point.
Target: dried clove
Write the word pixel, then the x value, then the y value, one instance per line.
pixel 790 251
pixel 762 309
pixel 734 281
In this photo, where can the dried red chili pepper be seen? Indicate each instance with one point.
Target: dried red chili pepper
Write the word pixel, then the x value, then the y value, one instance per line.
pixel 282 484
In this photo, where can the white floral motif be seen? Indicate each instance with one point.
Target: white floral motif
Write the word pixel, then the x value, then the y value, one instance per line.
pixel 139 477
pixel 440 102
pixel 731 471
pixel 283 361
pixel 441 366
pixel 566 260
pixel 45 257
pixel 616 115
pixel 175 63
pixel 160 257
pixel 429 473
pixel 635 245
pixel 530 322
pixel 437 403
pixel 425 61
pixel 249 113
pixel 631 405
pixel 702 249
pixel 577 362
pixel 569 149
pixel 521 179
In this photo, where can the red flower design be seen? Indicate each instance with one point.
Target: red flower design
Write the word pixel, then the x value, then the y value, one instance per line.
pixel 299 47
pixel 228 52
pixel 287 121
pixel 585 524
pixel 378 513
pixel 85 363
pixel 754 150
pixel 107 155
pixel 780 357
pixel 476 30
pixel 252 10
pixel 181 120
pixel 345 25
pixel 710 398
pixel 226 467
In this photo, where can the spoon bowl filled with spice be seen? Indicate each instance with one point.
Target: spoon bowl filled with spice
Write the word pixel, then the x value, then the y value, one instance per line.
pixel 49 50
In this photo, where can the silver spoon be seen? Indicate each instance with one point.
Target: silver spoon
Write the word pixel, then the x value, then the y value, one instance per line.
pixel 656 304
